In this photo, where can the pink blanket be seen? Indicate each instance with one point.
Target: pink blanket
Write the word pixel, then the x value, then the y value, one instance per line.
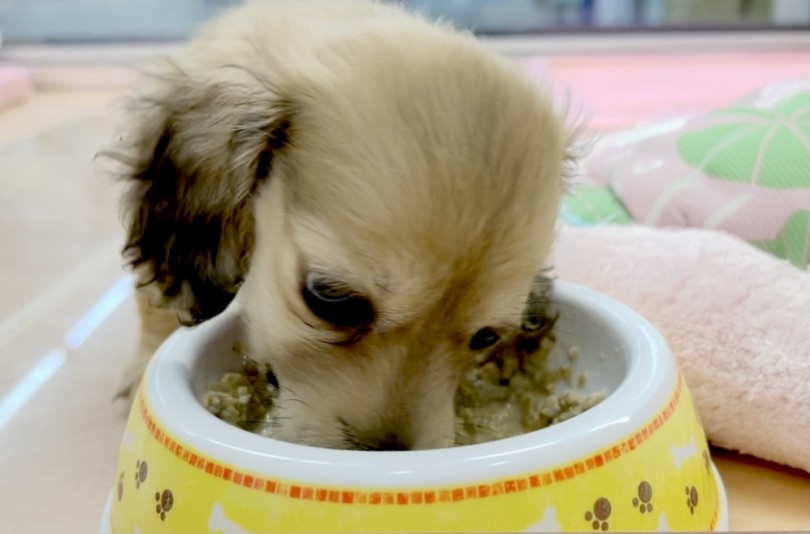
pixel 737 319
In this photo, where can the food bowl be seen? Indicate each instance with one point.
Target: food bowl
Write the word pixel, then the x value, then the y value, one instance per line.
pixel 638 461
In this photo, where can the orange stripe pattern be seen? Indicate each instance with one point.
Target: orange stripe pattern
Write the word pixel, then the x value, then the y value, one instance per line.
pixel 400 498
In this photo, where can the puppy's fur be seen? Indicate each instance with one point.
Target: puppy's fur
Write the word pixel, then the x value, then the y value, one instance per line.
pixel 390 155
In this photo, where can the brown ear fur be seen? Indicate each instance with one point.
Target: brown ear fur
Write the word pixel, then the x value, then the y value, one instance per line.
pixel 198 147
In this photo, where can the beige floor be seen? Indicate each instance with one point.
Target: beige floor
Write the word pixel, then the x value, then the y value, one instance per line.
pixel 66 319
pixel 67 324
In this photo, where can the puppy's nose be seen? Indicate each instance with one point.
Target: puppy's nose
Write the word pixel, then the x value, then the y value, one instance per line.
pixel 391 442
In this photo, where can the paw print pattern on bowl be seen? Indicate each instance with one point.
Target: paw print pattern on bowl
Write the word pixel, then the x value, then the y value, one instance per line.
pixel 165 502
pixel 643 501
pixel 121 486
pixel 141 471
pixel 599 515
pixel 691 498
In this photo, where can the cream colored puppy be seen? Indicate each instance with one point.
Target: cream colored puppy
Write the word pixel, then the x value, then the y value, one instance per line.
pixel 380 190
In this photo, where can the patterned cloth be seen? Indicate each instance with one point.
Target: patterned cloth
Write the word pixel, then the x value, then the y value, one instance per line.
pixel 742 169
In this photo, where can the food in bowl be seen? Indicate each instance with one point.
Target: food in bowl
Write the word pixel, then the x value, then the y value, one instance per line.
pixel 516 392
pixel 244 398
pixel 509 392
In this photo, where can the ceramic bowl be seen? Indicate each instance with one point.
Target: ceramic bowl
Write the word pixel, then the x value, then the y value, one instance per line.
pixel 638 461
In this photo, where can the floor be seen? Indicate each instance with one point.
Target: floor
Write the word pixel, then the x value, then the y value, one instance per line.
pixel 66 316
pixel 68 323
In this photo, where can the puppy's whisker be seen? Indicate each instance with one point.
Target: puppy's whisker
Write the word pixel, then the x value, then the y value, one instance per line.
pixel 271 424
pixel 287 390
pixel 300 401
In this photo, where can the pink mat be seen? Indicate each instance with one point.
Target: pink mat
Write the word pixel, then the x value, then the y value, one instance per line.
pixel 617 91
pixel 15 84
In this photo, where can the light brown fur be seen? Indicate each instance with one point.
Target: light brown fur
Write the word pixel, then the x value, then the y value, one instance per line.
pixel 358 141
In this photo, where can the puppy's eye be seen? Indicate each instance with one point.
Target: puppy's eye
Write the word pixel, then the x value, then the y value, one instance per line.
pixel 486 337
pixel 336 303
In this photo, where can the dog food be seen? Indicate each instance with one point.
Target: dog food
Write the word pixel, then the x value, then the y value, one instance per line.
pixel 515 391
pixel 509 392
pixel 244 399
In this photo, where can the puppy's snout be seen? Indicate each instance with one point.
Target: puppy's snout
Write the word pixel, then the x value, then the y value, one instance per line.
pixel 392 442
pixel 381 439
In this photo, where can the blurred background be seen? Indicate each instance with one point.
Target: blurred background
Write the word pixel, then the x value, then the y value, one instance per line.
pixel 91 44
pixel 52 21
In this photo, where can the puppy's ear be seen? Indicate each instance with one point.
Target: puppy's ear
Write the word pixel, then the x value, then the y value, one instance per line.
pixel 197 147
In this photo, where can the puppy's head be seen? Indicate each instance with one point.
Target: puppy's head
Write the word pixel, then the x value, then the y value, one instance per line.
pixel 387 204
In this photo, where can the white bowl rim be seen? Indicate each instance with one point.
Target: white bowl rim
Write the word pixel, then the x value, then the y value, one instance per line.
pixel 650 380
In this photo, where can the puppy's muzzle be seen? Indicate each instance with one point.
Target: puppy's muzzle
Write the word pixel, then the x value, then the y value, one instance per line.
pixel 376 440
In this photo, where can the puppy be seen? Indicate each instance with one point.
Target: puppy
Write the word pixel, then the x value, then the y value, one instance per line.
pixel 379 189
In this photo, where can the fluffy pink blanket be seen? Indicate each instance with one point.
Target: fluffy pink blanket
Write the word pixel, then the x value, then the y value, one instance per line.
pixel 736 318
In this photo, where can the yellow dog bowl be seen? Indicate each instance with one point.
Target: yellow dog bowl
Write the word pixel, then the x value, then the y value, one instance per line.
pixel 636 462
